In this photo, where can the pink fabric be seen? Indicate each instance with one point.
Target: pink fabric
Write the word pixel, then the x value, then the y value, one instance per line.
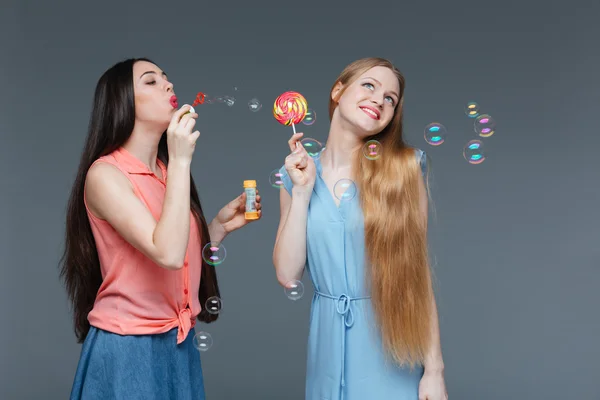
pixel 138 297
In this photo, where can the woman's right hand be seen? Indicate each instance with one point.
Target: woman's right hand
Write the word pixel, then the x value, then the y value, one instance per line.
pixel 299 165
pixel 180 138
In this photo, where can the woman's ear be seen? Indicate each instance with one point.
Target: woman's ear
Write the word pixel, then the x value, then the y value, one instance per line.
pixel 336 91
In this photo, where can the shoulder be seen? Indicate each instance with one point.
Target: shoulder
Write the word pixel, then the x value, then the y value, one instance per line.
pixel 421 158
pixel 281 179
pixel 419 153
pixel 104 183
pixel 105 174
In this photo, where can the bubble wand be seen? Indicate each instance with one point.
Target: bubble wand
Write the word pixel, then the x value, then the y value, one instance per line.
pixel 199 99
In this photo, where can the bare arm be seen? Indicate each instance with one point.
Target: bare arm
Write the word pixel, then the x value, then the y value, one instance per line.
pixel 110 196
pixel 434 362
pixel 289 253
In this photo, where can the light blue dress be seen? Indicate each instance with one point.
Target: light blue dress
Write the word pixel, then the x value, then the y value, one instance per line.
pixel 345 358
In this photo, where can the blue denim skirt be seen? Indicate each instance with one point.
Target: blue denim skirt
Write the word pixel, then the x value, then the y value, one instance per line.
pixel 148 367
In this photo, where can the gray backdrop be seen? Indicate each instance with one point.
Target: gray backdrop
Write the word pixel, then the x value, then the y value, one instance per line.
pixel 515 239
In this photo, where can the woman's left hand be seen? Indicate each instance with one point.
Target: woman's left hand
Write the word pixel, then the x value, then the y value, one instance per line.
pixel 231 217
pixel 432 386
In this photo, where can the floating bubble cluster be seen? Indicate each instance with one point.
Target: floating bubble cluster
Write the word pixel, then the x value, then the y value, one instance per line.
pixel 214 253
pixel 483 125
pixel 290 108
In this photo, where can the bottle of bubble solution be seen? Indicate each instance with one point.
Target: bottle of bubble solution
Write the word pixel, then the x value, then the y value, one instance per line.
pixel 250 189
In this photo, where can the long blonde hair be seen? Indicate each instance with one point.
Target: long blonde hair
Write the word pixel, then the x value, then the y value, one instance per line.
pixel 395 231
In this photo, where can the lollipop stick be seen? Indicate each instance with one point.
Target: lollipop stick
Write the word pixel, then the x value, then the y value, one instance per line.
pixel 294 128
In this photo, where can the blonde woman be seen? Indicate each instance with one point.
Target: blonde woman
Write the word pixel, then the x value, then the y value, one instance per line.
pixel 374 327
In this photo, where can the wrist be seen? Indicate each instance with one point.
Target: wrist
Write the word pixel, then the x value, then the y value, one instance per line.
pixel 216 231
pixel 179 163
pixel 302 193
pixel 434 369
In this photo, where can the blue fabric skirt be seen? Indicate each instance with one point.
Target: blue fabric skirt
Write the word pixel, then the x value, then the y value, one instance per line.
pixel 148 367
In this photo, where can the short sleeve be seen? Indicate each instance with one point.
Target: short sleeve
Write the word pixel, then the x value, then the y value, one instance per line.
pixel 422 158
pixel 285 179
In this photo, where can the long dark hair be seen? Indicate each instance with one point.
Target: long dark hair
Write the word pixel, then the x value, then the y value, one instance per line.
pixel 111 124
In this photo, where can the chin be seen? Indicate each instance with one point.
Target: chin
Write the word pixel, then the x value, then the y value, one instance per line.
pixel 367 126
pixel 161 125
pixel 364 130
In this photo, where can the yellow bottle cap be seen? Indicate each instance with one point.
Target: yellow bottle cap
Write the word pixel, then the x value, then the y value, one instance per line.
pixel 249 183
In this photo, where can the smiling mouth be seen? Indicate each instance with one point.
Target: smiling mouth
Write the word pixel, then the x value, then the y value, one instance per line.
pixel 370 112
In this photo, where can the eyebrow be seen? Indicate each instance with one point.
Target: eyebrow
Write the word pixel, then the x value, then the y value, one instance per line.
pixel 152 72
pixel 394 93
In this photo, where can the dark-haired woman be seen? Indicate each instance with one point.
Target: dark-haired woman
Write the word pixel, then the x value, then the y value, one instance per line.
pixel 135 231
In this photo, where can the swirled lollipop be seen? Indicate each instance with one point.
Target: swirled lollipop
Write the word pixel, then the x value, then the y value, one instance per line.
pixel 290 109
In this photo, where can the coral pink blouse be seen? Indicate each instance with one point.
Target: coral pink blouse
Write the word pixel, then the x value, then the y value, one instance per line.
pixel 138 297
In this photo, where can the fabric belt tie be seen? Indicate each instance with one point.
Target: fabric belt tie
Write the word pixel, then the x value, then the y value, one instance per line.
pixel 185 324
pixel 343 307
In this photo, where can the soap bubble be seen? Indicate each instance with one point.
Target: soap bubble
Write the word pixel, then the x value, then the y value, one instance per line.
pixel 203 341
pixel 294 290
pixel 473 152
pixel 435 134
pixel 485 126
pixel 230 101
pixel 214 253
pixel 312 146
pixel 310 117
pixel 372 150
pixel 344 190
pixel 213 305
pixel 254 105
pixel 276 179
pixel 472 109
